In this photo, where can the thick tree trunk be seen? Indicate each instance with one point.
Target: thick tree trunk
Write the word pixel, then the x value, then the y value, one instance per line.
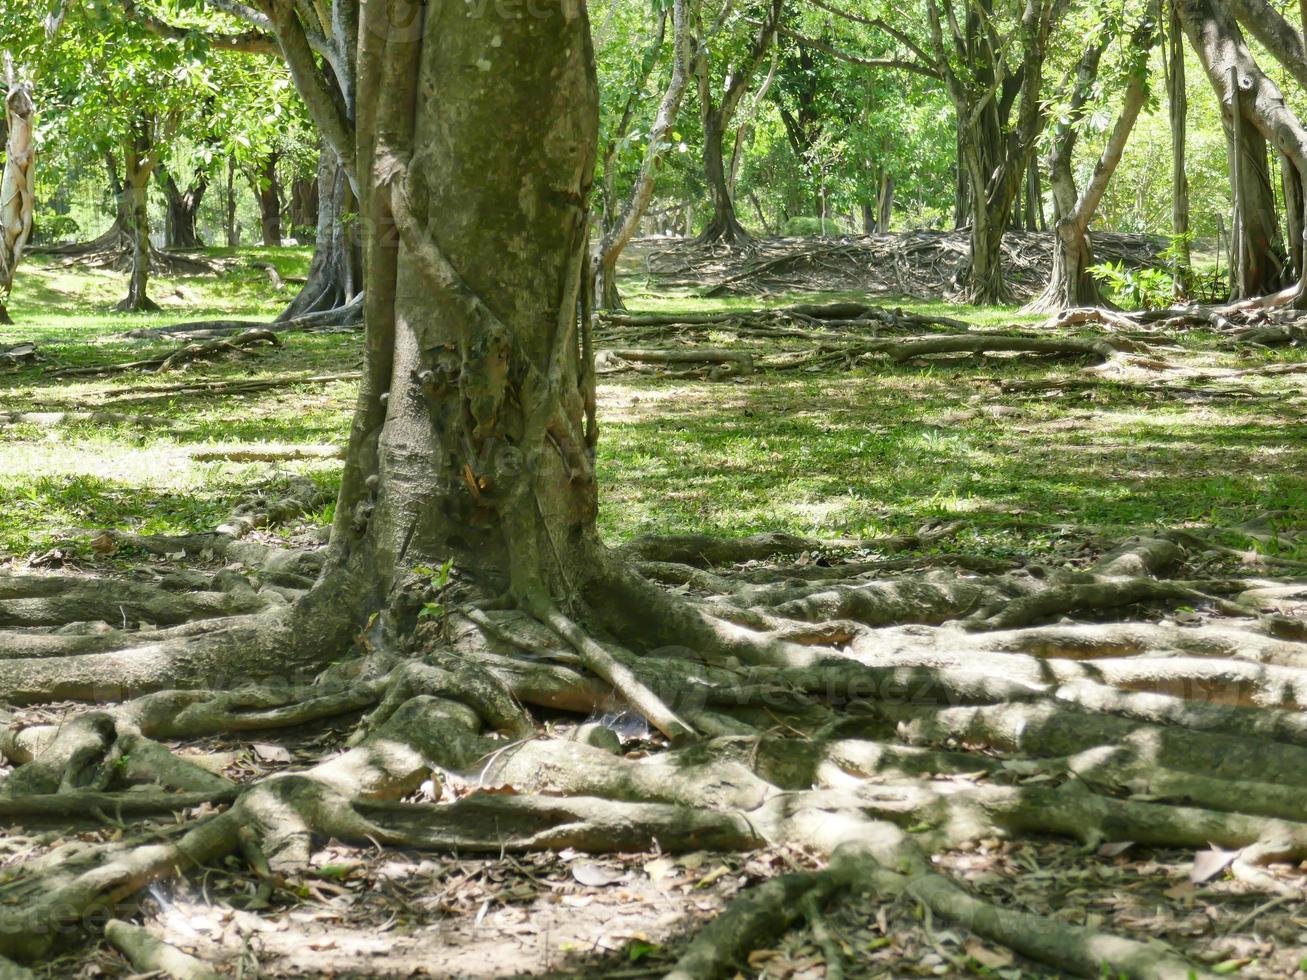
pixel 1178 108
pixel 334 277
pixel 140 158
pixel 182 209
pixel 267 189
pixel 474 434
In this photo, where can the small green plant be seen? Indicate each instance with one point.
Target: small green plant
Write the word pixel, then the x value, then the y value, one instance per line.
pixel 438 578
pixel 1135 289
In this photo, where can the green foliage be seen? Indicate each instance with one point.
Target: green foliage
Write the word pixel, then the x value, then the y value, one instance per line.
pixel 437 578
pixel 1133 288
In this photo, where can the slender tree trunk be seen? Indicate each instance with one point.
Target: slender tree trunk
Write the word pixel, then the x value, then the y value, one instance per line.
pixel 620 224
pixel 267 189
pixel 885 202
pixel 140 160
pixel 1178 108
pixel 182 209
pixel 17 183
pixel 229 206
pixel 723 226
pixel 474 434
pixel 716 115
pixel 1294 204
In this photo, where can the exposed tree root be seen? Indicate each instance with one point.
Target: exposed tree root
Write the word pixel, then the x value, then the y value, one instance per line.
pixel 148 954
pixel 183 355
pixel 341 318
pixel 840 335
pixel 234 387
pixel 823 723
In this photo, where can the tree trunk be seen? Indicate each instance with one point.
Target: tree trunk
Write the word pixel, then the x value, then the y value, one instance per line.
pixel 885 202
pixel 620 224
pixel 1292 186
pixel 1178 107
pixel 233 234
pixel 267 189
pixel 1256 252
pixel 1070 284
pixel 723 226
pixel 334 274
pixel 17 184
pixel 474 434
pixel 140 161
pixel 303 208
pixel 182 209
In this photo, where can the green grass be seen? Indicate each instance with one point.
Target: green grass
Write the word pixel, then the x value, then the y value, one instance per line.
pixel 881 449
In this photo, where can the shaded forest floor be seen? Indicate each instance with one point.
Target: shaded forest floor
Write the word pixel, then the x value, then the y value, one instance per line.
pixel 1033 464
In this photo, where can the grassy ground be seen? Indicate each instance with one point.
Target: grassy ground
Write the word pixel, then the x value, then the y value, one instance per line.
pixel 880 449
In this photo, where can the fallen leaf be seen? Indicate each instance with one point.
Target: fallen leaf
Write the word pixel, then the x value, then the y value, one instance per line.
pixel 595 875
pixel 995 959
pixel 659 868
pixel 269 752
pixel 1209 864
pixel 1115 848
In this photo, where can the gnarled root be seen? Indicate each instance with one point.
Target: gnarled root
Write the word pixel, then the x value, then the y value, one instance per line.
pixel 865 742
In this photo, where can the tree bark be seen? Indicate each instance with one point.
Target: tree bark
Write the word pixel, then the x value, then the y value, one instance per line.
pixel 716 116
pixel 182 209
pixel 140 157
pixel 1178 109
pixel 17 183
pixel 232 232
pixel 474 434
pixel 267 190
pixel 1242 87
pixel 994 149
pixel 303 206
pixel 334 277
pixel 1070 284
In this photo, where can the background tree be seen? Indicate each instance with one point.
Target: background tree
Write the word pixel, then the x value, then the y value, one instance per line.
pixel 18 179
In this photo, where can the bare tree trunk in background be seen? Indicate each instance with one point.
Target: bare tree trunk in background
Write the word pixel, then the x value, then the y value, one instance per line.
pixel 620 224
pixel 1178 108
pixel 182 209
pixel 716 115
pixel 229 206
pixel 140 156
pixel 302 210
pixel 17 183
pixel 1071 285
pixel 885 202
pixel 267 190
pixel 335 274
